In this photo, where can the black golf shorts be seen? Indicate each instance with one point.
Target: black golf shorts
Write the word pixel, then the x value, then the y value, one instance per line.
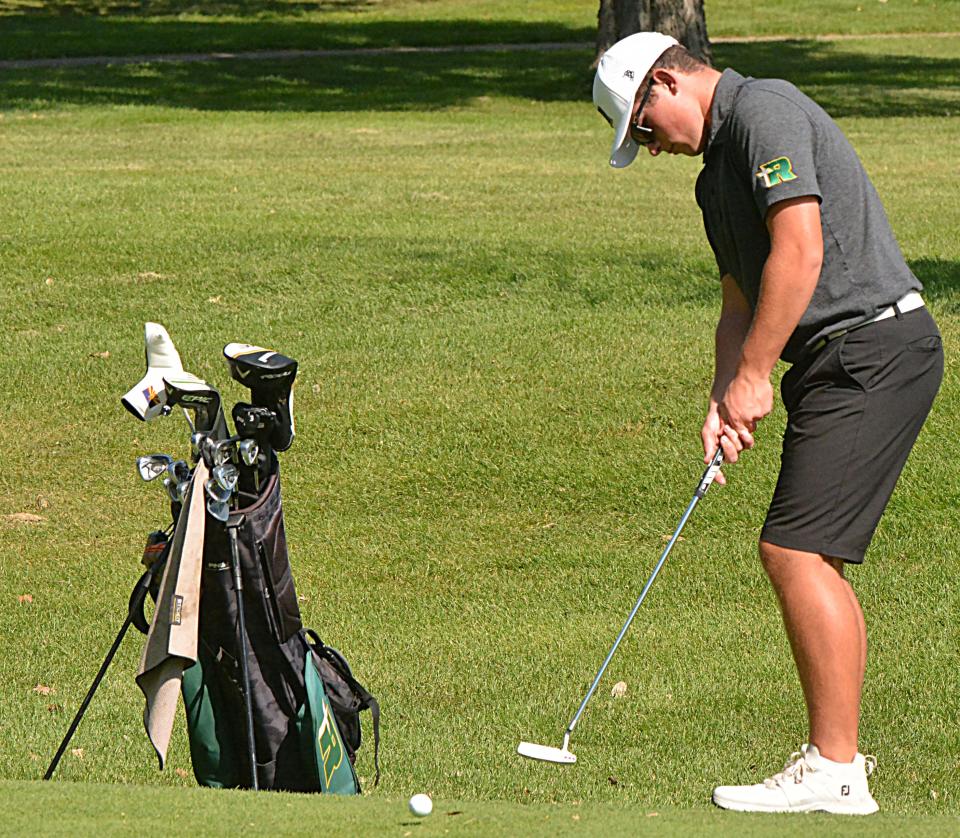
pixel 853 413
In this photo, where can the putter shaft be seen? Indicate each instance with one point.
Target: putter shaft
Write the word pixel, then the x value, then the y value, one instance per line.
pixel 705 481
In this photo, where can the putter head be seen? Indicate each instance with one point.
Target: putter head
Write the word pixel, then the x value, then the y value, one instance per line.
pixel 194 393
pixel 545 753
pixel 147 398
pixel 269 375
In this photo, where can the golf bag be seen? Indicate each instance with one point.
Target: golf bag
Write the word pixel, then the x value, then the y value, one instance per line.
pixel 305 702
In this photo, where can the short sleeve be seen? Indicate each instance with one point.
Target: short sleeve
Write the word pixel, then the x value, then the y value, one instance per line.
pixel 779 141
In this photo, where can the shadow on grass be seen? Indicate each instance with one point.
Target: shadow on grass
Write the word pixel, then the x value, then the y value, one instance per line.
pixel 846 83
pixel 851 83
pixel 347 83
pixel 941 282
pixel 55 36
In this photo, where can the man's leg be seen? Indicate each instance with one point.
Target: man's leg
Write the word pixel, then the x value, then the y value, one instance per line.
pixel 826 630
pixel 827 634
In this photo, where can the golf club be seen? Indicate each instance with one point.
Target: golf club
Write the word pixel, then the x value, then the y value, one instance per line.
pixel 249 454
pixel 233 524
pixel 196 445
pixel 270 377
pixel 226 476
pixel 179 471
pixel 256 424
pixel 562 755
pixel 152 466
pixel 188 391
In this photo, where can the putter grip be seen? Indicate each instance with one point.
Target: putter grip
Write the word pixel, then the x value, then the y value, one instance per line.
pixel 710 473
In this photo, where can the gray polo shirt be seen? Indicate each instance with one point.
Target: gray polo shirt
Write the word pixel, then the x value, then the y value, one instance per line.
pixel 769 142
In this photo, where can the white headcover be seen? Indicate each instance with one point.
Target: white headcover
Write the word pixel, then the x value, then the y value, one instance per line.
pixel 148 397
pixel 620 73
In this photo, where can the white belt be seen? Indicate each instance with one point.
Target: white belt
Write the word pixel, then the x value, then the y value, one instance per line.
pixel 908 302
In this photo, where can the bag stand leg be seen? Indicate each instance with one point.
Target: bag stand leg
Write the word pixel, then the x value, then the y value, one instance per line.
pixel 136 601
pixel 233 524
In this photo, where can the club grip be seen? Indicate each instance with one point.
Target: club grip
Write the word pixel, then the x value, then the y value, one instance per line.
pixel 710 473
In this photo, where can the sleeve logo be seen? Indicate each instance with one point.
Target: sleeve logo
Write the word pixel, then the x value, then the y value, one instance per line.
pixel 776 172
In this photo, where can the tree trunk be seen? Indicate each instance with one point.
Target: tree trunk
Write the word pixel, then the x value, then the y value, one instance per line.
pixel 684 19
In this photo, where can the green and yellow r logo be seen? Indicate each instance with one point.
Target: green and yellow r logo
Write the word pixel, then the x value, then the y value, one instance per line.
pixel 776 172
pixel 329 745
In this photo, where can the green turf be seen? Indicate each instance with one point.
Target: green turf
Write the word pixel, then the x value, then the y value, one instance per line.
pixel 33 29
pixel 102 810
pixel 505 351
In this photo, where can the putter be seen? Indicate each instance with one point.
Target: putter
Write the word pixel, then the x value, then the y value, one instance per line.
pixel 147 399
pixel 562 755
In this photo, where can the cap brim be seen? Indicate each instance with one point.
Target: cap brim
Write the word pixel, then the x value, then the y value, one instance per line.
pixel 623 155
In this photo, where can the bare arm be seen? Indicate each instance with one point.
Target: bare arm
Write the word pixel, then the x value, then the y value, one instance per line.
pixel 732 328
pixel 789 278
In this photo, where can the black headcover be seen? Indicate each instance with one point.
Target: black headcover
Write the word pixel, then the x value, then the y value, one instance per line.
pixel 269 375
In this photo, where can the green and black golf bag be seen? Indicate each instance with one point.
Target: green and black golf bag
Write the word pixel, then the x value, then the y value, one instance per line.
pixel 305 703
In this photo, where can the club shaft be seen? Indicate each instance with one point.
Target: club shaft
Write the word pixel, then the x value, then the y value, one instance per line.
pixel 244 664
pixel 704 484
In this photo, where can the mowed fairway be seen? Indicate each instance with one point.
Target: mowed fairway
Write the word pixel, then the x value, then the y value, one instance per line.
pixel 505 351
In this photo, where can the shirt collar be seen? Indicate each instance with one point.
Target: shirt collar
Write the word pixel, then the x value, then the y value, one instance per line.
pixel 723 98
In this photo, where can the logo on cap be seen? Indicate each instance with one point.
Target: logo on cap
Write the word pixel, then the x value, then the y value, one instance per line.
pixel 628 74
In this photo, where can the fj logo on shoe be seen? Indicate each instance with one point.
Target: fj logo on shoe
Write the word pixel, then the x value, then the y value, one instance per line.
pixel 776 172
pixel 844 791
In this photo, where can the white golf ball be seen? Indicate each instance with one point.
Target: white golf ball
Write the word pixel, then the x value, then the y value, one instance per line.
pixel 421 805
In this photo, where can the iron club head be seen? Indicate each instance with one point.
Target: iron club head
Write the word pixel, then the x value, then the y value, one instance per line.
pixel 218 510
pixel 152 466
pixel 249 451
pixel 216 492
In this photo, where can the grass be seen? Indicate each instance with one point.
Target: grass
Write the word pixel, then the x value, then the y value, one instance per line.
pixel 111 810
pixel 32 29
pixel 504 357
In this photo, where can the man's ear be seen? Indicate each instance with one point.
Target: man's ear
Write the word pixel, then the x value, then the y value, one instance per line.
pixel 666 78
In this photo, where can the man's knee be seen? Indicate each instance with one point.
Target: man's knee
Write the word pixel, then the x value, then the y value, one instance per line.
pixel 780 562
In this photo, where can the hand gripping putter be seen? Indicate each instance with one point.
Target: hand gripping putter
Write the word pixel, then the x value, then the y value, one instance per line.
pixel 562 755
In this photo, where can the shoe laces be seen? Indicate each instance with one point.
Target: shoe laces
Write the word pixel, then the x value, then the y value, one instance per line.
pixel 793 770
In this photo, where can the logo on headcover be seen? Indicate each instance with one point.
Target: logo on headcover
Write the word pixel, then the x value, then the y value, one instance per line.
pixel 776 172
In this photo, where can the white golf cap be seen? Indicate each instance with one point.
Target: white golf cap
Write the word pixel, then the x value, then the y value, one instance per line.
pixel 620 72
pixel 147 398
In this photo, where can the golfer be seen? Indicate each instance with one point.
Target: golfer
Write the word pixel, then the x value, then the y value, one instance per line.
pixel 810 273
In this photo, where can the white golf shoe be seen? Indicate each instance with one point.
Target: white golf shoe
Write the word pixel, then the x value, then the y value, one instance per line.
pixel 808 783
